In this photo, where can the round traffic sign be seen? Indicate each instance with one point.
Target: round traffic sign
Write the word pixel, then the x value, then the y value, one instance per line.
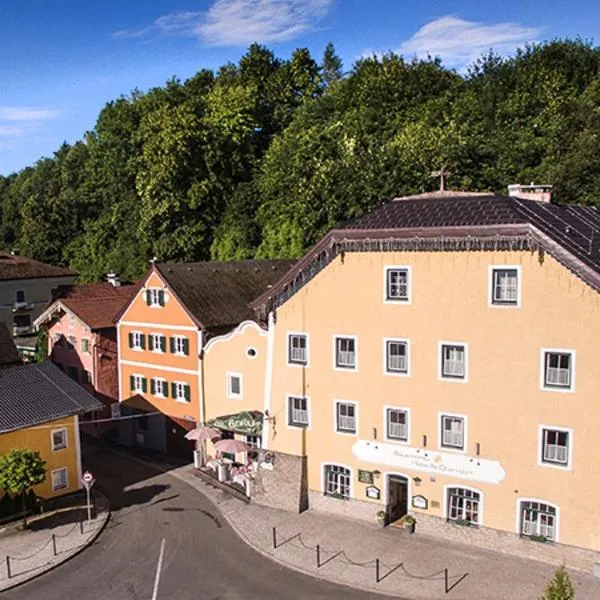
pixel 87 477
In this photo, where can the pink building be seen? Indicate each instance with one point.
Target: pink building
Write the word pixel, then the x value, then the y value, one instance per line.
pixel 82 341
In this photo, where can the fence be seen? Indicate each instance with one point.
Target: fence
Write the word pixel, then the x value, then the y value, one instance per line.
pixel 381 569
pixel 67 540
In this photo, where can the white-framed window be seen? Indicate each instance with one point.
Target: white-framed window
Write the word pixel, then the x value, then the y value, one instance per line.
pixel 505 285
pixel 298 411
pixel 85 345
pixel 155 297
pixel 397 284
pixel 297 349
pixel 557 370
pixel 138 384
pixel 180 345
pixel 346 417
pixel 345 353
pixel 235 386
pixel 159 387
pixel 137 340
pixel 59 439
pixel 20 297
pixel 158 342
pixel 254 441
pixel 537 518
pixel 453 361
pixel 180 391
pixel 397 424
pixel 60 479
pixel 555 445
pixel 453 431
pixel 464 505
pixel 396 356
pixel 337 481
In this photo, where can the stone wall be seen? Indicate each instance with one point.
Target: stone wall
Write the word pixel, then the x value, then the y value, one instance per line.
pixel 283 487
pixel 356 509
pixel 509 543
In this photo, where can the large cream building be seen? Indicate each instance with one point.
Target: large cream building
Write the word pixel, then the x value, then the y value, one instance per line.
pixel 438 356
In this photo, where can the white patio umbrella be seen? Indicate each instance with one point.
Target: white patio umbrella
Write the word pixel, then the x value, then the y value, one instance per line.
pixel 231 446
pixel 202 433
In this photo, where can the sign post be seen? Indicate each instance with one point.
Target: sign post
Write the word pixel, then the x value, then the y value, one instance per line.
pixel 88 482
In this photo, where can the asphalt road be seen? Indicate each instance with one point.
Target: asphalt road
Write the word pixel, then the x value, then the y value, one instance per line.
pixel 204 559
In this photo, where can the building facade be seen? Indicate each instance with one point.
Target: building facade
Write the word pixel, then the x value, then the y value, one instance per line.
pixel 436 357
pixel 82 342
pixel 26 288
pixel 163 333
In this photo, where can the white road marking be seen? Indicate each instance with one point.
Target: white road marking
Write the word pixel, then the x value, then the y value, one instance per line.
pixel 158 569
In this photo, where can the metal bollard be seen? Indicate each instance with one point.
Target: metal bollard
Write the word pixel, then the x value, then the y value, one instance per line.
pixel 318 555
pixel 274 538
pixel 54 544
pixel 8 566
pixel 81 526
pixel 446 581
pixel 377 570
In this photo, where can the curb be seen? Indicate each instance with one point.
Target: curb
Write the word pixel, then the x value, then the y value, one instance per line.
pixel 67 559
pixel 246 541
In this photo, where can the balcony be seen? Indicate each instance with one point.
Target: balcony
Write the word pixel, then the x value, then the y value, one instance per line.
pixel 22 307
pixel 23 330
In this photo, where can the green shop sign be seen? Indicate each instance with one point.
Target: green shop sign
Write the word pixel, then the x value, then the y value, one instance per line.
pixel 248 422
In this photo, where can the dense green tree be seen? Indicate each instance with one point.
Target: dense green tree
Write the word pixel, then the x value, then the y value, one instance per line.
pixel 331 66
pixel 20 470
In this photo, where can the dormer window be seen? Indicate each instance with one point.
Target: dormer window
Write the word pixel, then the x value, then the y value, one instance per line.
pixel 155 297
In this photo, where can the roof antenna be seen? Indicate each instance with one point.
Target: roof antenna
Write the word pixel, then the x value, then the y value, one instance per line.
pixel 442 173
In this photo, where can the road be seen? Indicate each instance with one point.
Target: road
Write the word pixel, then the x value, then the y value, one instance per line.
pixel 204 559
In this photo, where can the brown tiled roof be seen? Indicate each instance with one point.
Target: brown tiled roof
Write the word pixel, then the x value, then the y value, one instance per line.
pixel 217 294
pixel 20 267
pixel 96 305
pixel 456 220
pixel 93 290
pixel 8 350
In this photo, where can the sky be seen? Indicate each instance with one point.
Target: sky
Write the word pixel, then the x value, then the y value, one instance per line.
pixel 61 61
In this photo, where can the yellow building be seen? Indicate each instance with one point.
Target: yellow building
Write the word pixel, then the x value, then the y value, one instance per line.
pixel 438 356
pixel 39 411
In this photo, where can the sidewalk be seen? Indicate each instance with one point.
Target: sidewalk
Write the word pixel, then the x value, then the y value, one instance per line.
pixel 49 541
pixel 473 572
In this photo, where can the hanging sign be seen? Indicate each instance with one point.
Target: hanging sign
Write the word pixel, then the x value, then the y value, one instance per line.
pixel 420 502
pixel 365 476
pixel 373 492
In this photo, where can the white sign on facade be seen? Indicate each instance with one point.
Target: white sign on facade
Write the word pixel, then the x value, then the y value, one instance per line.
pixel 115 410
pixel 430 461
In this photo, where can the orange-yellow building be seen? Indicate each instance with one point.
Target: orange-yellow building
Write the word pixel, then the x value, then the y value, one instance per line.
pixel 39 410
pixel 437 357
pixel 177 316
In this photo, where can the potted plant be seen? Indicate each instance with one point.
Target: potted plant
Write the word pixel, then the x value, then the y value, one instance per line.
pixel 381 518
pixel 409 522
pixel 538 538
pixel 463 522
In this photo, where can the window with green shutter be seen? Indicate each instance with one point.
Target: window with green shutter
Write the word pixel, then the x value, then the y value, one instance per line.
pixel 187 393
pixel 153 386
pixel 172 345
pixel 132 383
pixel 161 297
pixel 143 341
pixel 163 343
pixel 186 346
pixel 130 339
pixel 173 389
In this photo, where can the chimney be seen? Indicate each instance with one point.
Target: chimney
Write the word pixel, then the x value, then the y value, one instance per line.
pixel 113 279
pixel 539 192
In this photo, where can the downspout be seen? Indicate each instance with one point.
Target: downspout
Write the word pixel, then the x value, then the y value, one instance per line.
pixel 268 381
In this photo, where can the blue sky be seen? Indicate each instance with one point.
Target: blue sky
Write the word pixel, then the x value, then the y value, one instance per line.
pixel 61 61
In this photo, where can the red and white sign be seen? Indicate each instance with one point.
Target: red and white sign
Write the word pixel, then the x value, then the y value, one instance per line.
pixel 87 479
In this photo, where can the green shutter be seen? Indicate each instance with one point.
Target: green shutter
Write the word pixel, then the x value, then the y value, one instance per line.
pixel 186 346
pixel 166 389
pixel 144 385
pixel 131 382
pixel 147 294
pixel 163 343
pixel 152 386
pixel 172 345
pixel 130 340
pixel 173 390
pixel 187 393
pixel 143 341
pixel 161 297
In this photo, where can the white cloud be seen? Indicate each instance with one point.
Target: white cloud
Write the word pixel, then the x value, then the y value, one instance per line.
pixel 458 42
pixel 17 121
pixel 239 22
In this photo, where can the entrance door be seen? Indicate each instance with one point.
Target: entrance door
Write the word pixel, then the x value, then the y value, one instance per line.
pixel 397 497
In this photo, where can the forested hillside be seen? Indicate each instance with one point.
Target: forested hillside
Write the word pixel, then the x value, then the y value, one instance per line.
pixel 262 157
